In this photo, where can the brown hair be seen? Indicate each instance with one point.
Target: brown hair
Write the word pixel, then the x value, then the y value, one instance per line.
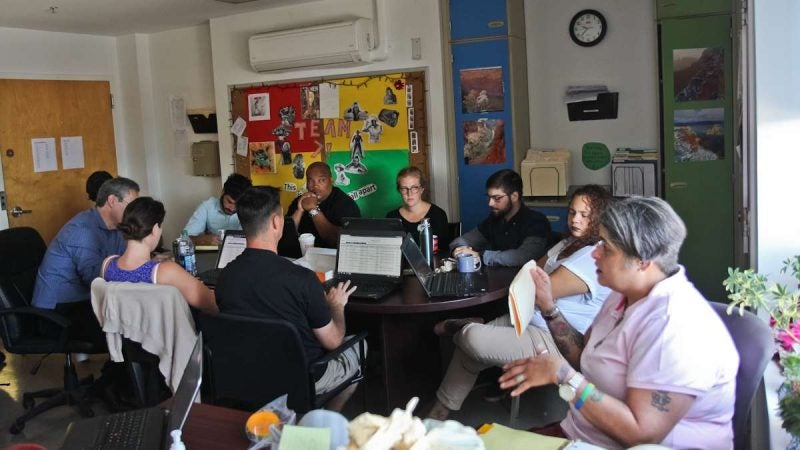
pixel 598 199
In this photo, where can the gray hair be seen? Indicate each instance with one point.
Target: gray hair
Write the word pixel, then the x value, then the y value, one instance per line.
pixel 646 228
pixel 118 187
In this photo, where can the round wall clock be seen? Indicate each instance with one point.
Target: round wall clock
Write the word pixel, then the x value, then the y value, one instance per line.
pixel 587 28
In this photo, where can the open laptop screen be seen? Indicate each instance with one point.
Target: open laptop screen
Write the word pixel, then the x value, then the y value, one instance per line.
pixel 369 255
pixel 188 388
pixel 232 246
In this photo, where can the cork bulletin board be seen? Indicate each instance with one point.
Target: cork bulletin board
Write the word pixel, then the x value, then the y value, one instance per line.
pixel 366 128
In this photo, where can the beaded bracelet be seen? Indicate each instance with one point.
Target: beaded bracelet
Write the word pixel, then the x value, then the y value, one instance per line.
pixel 584 395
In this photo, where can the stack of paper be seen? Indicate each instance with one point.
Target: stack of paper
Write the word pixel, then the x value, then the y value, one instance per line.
pixel 635 154
pixel 585 93
pixel 521 298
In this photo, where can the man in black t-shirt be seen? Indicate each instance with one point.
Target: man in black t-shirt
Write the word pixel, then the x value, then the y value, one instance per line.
pixel 260 283
pixel 513 234
pixel 320 210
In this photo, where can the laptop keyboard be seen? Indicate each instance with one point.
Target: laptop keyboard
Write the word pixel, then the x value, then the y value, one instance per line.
pixel 123 431
pixel 366 289
pixel 452 284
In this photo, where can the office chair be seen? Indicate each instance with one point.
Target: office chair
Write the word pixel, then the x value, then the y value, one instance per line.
pixel 251 361
pixel 21 252
pixel 154 347
pixel 454 228
pixel 754 340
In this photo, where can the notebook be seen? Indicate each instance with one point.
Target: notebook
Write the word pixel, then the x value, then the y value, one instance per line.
pixel 369 254
pixel 233 244
pixel 148 428
pixel 446 284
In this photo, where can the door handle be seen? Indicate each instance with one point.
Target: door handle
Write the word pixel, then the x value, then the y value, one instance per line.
pixel 678 185
pixel 18 211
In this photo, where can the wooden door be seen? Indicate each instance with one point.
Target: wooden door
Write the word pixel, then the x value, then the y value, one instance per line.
pixel 698 131
pixel 31 109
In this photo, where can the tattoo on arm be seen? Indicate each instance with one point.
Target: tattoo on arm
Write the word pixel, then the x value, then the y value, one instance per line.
pixel 660 400
pixel 568 340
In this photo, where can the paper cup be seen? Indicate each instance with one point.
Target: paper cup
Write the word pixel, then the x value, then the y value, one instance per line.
pixel 306 242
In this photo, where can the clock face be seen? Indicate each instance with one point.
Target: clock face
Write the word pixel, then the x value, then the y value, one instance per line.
pixel 587 28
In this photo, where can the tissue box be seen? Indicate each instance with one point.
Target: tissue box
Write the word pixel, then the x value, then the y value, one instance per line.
pixel 545 173
pixel 321 260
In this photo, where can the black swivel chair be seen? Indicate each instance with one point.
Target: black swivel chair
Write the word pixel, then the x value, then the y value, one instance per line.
pixel 250 361
pixel 21 252
pixel 754 340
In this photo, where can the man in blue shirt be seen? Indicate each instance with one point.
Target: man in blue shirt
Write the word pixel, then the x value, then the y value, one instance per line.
pixel 74 257
pixel 217 214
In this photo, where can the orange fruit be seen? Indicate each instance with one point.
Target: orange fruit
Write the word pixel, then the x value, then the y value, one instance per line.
pixel 259 422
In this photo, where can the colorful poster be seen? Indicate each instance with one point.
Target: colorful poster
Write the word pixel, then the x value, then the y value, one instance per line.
pixel 368 143
pixel 698 73
pixel 365 143
pixel 484 141
pixel 481 90
pixel 699 134
pixel 375 192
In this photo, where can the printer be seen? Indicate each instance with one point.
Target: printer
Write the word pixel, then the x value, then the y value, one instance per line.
pixel 545 173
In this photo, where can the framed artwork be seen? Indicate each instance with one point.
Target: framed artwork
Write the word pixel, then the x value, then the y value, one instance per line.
pixel 484 142
pixel 699 134
pixel 258 106
pixel 698 74
pixel 481 90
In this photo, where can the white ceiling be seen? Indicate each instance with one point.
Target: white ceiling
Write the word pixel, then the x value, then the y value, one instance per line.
pixel 121 17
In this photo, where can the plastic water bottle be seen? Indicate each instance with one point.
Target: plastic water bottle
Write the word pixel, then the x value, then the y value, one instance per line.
pixel 186 250
pixel 426 240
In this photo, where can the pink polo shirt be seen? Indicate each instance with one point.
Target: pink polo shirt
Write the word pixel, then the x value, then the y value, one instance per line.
pixel 670 341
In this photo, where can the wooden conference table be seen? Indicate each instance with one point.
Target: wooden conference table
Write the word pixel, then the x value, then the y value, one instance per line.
pixel 401 327
pixel 401 334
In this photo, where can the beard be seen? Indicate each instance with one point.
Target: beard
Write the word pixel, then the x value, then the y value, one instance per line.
pixel 500 212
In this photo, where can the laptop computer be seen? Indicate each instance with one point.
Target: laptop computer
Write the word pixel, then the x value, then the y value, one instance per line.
pixel 233 244
pixel 446 284
pixel 369 254
pixel 144 429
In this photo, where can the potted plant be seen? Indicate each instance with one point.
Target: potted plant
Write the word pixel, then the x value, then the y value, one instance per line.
pixel 749 289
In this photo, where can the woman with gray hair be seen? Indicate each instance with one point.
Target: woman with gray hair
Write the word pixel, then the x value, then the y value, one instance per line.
pixel 657 365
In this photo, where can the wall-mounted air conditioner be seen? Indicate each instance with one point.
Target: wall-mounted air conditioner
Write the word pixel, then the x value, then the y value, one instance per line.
pixel 335 43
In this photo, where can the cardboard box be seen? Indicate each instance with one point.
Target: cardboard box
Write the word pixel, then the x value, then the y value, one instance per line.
pixel 545 173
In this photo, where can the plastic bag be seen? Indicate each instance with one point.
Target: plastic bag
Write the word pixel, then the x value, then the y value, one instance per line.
pixel 286 416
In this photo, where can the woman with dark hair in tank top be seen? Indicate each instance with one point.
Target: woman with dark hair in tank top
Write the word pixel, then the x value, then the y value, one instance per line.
pixel 141 227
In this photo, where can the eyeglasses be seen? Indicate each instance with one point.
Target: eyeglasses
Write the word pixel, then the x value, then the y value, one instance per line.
pixel 407 190
pixel 496 198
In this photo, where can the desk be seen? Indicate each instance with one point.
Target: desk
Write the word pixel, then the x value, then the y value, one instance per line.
pixel 214 427
pixel 401 326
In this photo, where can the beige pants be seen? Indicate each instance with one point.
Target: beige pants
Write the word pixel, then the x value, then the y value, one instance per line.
pixel 339 369
pixel 479 347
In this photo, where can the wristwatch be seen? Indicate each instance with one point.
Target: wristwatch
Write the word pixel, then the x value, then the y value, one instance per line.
pixel 314 211
pixel 568 390
pixel 552 314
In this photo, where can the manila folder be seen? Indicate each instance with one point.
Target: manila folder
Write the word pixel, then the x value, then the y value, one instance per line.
pixel 521 298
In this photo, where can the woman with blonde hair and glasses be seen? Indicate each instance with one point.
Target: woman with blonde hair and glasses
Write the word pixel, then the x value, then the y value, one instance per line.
pixel 411 185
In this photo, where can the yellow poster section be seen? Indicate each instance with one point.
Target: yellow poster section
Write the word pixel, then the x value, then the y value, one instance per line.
pixel 285 179
pixel 369 92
